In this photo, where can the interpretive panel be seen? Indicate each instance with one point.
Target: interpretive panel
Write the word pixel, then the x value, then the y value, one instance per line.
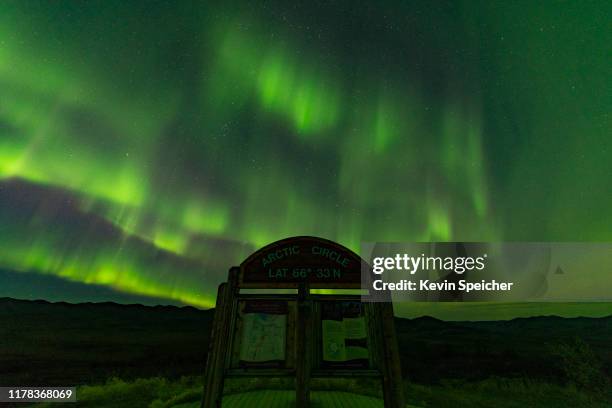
pixel 264 333
pixel 343 334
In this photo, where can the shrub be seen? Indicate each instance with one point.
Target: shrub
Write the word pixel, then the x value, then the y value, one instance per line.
pixel 580 364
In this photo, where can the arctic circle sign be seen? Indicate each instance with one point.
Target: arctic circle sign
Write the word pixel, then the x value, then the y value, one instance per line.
pixel 301 333
pixel 303 259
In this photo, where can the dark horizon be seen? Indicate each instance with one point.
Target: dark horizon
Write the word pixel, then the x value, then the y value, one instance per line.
pixel 505 312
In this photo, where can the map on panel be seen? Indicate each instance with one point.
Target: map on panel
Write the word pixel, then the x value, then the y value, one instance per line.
pixel 263 337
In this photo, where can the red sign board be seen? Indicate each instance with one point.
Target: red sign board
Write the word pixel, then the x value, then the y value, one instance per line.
pixel 303 259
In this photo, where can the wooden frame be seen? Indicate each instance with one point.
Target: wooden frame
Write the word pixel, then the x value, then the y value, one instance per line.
pixel 300 263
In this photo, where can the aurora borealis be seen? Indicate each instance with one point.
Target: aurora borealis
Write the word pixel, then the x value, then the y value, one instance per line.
pixel 148 146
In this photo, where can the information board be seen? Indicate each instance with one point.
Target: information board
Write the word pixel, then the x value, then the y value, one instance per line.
pixel 261 330
pixel 343 334
pixel 264 333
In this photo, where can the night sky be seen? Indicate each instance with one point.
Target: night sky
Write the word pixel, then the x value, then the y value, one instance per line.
pixel 147 147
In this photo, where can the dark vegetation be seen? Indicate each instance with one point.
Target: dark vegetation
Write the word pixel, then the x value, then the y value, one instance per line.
pixel 66 344
pixel 551 359
pixel 548 348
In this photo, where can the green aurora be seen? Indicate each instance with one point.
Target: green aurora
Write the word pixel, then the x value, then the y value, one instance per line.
pixel 148 146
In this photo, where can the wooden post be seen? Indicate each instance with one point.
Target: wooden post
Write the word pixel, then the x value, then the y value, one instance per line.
pixel 303 349
pixel 393 391
pixel 217 348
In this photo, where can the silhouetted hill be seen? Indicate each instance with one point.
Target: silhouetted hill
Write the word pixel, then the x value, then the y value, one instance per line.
pixel 433 349
pixel 61 343
pixel 65 344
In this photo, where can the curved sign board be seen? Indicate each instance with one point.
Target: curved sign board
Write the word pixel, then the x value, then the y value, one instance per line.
pixel 287 263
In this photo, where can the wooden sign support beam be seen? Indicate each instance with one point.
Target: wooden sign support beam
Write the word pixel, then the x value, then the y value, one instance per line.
pixel 303 346
pixel 217 349
pixel 393 392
